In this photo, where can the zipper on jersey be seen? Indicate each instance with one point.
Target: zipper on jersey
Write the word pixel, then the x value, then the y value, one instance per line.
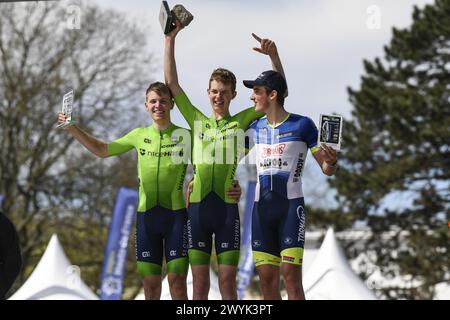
pixel 157 170
pixel 271 163
pixel 213 158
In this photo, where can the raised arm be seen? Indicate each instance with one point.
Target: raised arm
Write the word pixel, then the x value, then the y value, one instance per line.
pixel 94 145
pixel 269 48
pixel 170 66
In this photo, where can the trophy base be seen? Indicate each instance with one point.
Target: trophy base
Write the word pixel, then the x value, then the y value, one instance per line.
pixel 166 18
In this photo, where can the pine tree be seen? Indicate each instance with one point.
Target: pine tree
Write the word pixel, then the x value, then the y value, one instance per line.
pixel 397 146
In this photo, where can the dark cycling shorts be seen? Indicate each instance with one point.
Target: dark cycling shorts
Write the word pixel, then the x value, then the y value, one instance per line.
pixel 213 216
pixel 161 232
pixel 278 230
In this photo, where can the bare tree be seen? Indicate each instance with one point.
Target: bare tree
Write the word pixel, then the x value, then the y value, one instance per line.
pixel 44 176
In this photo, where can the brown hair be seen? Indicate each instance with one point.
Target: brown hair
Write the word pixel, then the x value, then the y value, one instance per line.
pixel 160 88
pixel 280 98
pixel 225 76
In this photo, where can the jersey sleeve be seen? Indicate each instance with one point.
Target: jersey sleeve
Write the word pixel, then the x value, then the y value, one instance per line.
pixel 247 116
pixel 123 144
pixel 250 136
pixel 187 109
pixel 310 134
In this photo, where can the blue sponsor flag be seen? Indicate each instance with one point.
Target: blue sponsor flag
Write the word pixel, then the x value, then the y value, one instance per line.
pixel 115 257
pixel 246 267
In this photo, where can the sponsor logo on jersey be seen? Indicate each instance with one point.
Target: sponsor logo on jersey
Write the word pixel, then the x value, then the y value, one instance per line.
pixel 256 243
pixel 288 240
pixel 181 182
pixel 284 135
pixel 299 167
pixel 224 245
pixel 273 151
pixel 201 245
pixel 147 140
pixel 287 258
pixel 173 253
pixel 165 153
pixel 146 254
pixel 274 163
pixel 226 134
pixel 169 146
pixel 142 152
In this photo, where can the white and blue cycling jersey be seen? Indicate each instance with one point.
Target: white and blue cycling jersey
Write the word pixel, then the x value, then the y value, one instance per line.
pixel 281 153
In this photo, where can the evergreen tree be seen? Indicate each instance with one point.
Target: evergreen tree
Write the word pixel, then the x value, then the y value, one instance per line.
pixel 397 146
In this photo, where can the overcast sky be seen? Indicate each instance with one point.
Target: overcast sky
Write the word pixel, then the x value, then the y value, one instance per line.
pixel 322 44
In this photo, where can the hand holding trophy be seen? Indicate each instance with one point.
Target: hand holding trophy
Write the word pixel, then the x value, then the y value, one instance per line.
pixel 168 17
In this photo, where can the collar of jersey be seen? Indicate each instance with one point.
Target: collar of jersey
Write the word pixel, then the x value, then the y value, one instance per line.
pixel 168 129
pixel 279 124
pixel 214 120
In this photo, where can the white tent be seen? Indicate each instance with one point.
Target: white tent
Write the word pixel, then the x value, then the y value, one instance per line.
pixel 442 291
pixel 330 276
pixel 214 292
pixel 54 278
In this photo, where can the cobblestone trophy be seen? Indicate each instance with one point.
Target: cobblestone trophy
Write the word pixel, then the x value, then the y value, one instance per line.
pixel 168 17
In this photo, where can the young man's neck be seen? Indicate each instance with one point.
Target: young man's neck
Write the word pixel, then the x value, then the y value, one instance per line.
pixel 276 114
pixel 221 115
pixel 161 124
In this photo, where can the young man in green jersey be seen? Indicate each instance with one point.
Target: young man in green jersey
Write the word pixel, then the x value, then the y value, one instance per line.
pixel 161 215
pixel 163 150
pixel 210 210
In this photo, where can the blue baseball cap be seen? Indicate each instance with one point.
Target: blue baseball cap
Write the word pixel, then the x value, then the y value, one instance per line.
pixel 271 79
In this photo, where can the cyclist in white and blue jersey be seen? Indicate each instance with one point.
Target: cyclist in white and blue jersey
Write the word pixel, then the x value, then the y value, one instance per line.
pixel 281 141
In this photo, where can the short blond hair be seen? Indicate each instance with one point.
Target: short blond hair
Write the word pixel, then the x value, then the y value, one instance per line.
pixel 160 88
pixel 225 76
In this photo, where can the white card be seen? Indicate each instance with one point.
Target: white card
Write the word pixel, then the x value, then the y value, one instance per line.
pixel 67 107
pixel 330 130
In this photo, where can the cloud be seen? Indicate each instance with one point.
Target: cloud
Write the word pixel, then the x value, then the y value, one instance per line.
pixel 321 43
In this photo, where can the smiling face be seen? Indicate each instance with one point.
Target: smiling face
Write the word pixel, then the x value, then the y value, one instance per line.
pixel 220 96
pixel 159 106
pixel 262 98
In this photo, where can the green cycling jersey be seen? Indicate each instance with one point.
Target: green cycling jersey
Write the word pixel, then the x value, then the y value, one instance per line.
pixel 162 161
pixel 217 147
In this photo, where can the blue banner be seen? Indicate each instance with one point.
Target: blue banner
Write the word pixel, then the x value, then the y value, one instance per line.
pixel 246 267
pixel 115 257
